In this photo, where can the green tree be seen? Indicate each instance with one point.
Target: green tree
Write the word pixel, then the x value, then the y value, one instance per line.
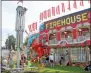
pixel 10 41
pixel 3 48
pixel 26 41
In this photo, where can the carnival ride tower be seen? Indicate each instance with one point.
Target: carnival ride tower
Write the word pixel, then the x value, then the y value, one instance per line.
pixel 19 28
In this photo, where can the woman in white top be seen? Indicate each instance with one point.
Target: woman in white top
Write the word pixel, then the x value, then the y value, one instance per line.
pixel 51 58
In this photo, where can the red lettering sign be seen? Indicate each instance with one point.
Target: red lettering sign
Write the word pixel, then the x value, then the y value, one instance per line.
pixel 89 1
pixel 69 5
pixel 33 27
pixel 81 3
pixel 49 12
pixel 36 25
pixel 75 5
pixel 41 16
pixel 58 10
pixel 53 11
pixel 29 27
pixel 45 14
pixel 63 7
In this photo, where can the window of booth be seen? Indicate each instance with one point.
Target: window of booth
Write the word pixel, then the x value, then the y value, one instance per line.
pixel 86 32
pixel 52 38
pixel 66 35
pixel 83 32
pixel 78 54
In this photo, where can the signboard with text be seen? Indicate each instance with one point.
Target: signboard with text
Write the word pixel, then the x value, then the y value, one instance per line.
pixel 73 18
pixel 58 11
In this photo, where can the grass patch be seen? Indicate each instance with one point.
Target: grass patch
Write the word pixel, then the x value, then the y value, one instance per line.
pixel 62 69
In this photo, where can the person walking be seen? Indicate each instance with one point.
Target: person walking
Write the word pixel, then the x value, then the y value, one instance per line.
pixel 43 61
pixel 23 60
pixel 10 61
pixel 47 60
pixel 61 60
pixel 68 59
pixel 51 60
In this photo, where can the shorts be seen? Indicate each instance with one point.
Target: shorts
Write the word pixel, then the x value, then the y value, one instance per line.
pixel 51 61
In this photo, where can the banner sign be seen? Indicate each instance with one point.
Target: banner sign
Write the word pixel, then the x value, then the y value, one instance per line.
pixel 63 7
pixel 77 17
pixel 32 27
pixel 53 11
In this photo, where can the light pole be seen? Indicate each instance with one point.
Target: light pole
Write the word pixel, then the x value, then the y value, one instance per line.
pixel 7 46
pixel 90 41
pixel 19 28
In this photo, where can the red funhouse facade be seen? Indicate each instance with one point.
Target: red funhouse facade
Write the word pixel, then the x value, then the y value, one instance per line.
pixel 70 32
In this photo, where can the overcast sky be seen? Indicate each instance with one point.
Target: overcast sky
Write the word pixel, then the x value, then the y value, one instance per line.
pixel 32 14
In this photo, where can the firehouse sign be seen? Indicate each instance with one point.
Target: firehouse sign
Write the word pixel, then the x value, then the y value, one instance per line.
pixel 58 10
pixel 70 19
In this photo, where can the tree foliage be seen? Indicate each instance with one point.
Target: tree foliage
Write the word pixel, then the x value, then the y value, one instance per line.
pixel 10 42
pixel 3 48
pixel 26 41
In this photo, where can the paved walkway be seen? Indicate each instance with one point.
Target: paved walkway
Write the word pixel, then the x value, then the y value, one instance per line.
pixel 14 70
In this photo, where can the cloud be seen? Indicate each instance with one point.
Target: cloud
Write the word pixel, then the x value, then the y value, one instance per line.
pixel 8 20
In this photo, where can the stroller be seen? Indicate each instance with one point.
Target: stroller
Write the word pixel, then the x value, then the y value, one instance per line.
pixel 87 68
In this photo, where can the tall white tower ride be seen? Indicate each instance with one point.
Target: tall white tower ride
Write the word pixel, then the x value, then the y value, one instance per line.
pixel 19 28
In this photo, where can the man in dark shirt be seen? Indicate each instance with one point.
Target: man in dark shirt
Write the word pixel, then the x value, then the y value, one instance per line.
pixel 47 60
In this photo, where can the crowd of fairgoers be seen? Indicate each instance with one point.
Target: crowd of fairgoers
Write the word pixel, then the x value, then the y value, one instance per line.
pixel 9 60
